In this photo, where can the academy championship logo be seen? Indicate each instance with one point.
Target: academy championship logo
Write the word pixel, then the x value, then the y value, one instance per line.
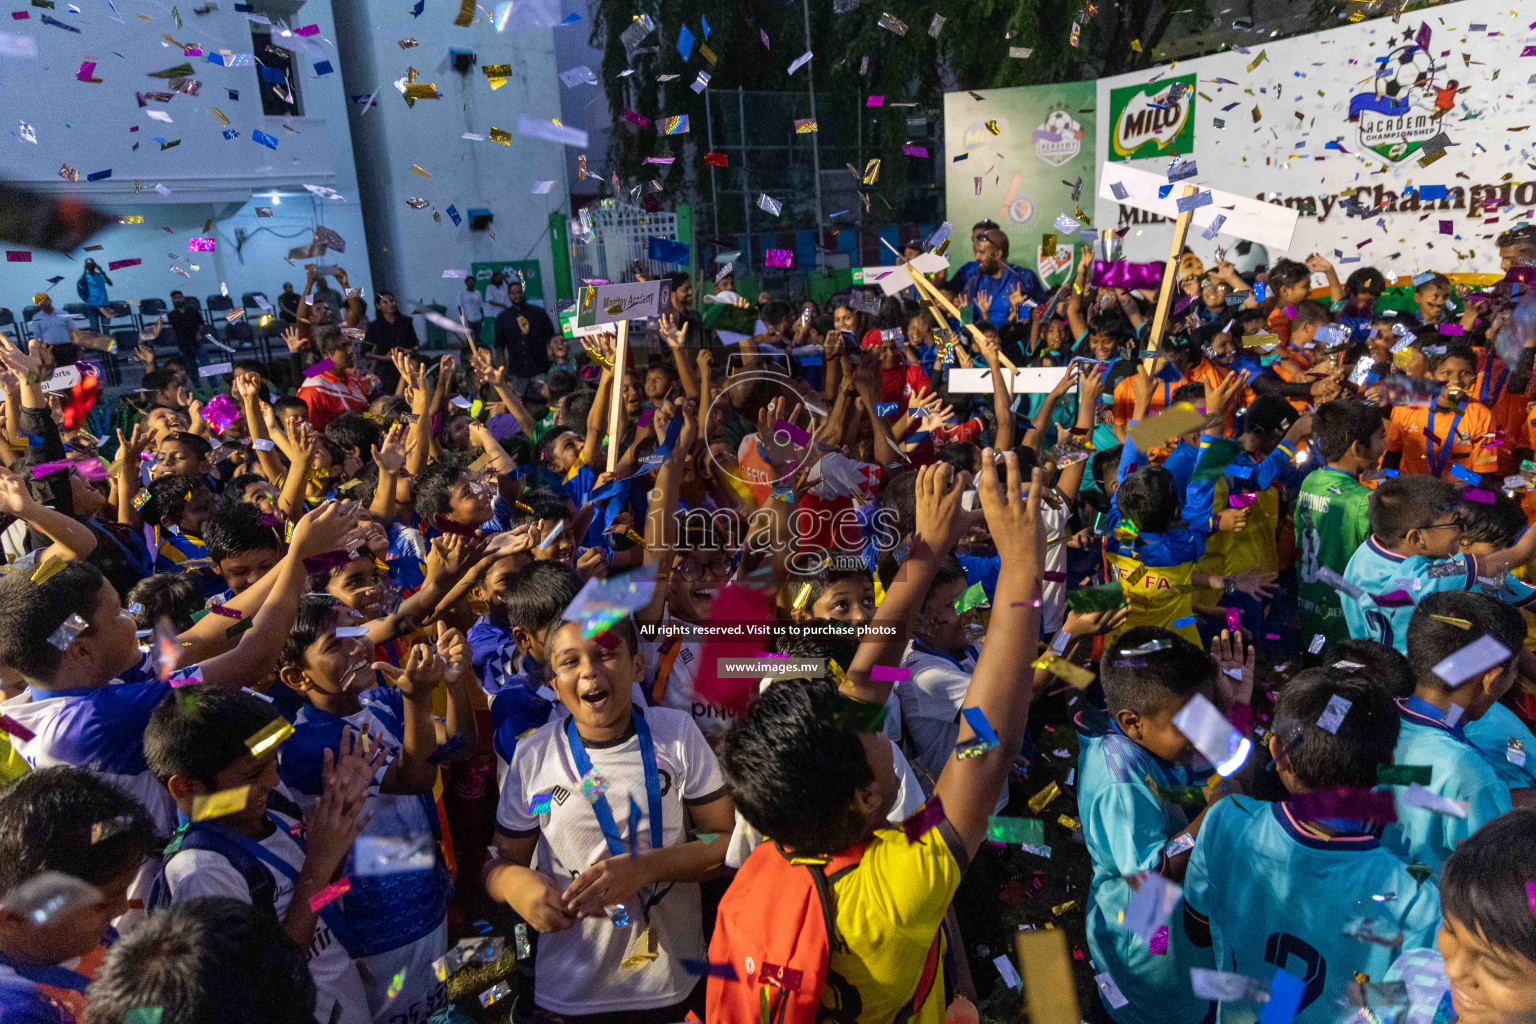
pixel 1399 113
pixel 1059 138
pixel 1152 119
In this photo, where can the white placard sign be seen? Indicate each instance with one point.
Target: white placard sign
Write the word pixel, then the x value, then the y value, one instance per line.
pixel 1030 380
pixel 1266 223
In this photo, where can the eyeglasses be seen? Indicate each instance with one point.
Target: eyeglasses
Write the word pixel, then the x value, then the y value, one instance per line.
pixel 688 569
pixel 1456 521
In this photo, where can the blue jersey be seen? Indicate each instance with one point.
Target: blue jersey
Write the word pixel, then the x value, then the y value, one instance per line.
pixel 100 729
pixel 1458 771
pixel 1127 827
pixel 1491 735
pixel 1276 891
pixel 1380 571
pixel 384 911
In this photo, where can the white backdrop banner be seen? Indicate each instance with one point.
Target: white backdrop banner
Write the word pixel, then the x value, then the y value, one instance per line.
pixel 1404 145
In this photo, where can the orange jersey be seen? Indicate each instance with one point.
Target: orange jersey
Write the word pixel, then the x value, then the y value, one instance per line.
pixel 1422 435
pixel 1125 398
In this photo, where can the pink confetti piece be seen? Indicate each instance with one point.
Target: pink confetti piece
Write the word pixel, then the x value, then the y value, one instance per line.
pixel 1158 945
pixel 1478 495
pixel 42 469
pixel 1241 716
pixel 323 366
pixel 1244 500
pixel 87 71
pixel 15 728
pixel 120 264
pixel 329 893
pixel 794 433
pixel 18 256
pixel 307 30
pixel 1530 895
pixel 889 674
pixel 915 150
pixel 875 101
pixel 1396 599
pixel 188 680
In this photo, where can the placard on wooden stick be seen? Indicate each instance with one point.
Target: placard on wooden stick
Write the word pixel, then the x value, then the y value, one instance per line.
pixel 615 395
pixel 938 298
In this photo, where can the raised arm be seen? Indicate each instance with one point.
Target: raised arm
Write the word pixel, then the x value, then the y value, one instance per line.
pixel 676 337
pixel 1003 684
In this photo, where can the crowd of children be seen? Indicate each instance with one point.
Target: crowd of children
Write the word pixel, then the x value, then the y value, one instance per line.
pixel 322 694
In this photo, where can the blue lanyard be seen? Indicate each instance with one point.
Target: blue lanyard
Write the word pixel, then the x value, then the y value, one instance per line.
pixel 52 975
pixel 1437 466
pixel 330 913
pixel 605 821
pixel 1485 397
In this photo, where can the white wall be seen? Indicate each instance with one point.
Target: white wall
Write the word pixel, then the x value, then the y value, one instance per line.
pixel 88 126
pixel 409 249
pixel 1285 158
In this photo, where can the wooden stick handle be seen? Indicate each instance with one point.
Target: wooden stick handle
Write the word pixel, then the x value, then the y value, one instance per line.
pixel 616 395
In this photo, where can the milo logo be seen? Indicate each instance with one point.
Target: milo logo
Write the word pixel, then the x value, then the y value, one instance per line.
pixel 1153 119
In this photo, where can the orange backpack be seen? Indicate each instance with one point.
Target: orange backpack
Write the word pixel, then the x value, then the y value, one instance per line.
pixel 776 929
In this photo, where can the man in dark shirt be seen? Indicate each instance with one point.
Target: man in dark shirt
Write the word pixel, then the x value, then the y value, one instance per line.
pixel 186 321
pixel 522 337
pixel 389 330
pixel 288 304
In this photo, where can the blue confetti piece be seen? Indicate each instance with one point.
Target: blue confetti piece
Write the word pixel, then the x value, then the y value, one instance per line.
pixel 706 969
pixel 1427 192
pixel 1194 202
pixel 1188 620
pixel 234 94
pixel 1285 992
pixel 1119 190
pixel 1180 171
pixel 59 24
pixel 572 18
pixel 421 5
pixel 1464 474
pixel 324 68
pixel 1163 190
pixel 885 409
pixel 1215 228
pixel 453 215
pixel 977 720
pixel 245 8
pixel 273 76
pixel 705 22
pixel 257 135
pixel 231 133
pixel 99 176
pixel 684 42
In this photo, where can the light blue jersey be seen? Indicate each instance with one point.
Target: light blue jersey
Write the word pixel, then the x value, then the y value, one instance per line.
pixel 1422 971
pixel 1458 772
pixel 1276 891
pixel 1491 735
pixel 1126 826
pixel 1401 581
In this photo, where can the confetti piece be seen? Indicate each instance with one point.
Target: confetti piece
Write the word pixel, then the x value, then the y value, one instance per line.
pixel 1220 744
pixel 15 728
pixel 336 889
pixel 924 819
pixel 1016 830
pixel 703 968
pixel 1047 980
pixel 1042 799
pixel 1417 796
pixel 1333 715
pixel 220 804
pixel 1472 660
pixel 269 738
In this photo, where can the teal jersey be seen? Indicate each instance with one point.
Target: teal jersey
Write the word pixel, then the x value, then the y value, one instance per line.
pixel 1491 735
pixel 1276 891
pixel 1458 772
pixel 1126 827
pixel 1381 572
pixel 1332 522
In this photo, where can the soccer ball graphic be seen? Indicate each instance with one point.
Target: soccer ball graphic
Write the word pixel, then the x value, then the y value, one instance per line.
pixel 1060 123
pixel 1407 74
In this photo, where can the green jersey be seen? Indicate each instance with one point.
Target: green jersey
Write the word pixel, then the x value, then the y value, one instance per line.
pixel 1332 520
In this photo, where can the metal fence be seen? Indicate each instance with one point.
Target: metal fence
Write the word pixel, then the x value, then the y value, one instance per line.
pixel 609 236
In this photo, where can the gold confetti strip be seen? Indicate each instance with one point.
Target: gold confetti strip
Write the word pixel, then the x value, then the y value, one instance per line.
pixel 220 804
pixel 503 137
pixel 270 737
pixel 417 169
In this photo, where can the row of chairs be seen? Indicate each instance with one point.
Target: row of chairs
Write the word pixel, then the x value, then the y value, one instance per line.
pixel 244 334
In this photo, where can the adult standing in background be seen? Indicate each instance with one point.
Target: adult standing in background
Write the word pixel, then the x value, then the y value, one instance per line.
pixel 471 309
pixel 288 304
pixel 186 323
pixel 92 289
pixel 496 300
pixel 54 330
pixel 389 330
pixel 996 278
pixel 522 337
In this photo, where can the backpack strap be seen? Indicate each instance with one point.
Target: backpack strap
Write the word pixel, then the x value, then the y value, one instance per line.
pixel 841 865
pixel 200 836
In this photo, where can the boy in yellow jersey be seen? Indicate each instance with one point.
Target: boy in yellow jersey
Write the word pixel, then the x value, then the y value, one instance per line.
pixel 1158 534
pixel 1253 480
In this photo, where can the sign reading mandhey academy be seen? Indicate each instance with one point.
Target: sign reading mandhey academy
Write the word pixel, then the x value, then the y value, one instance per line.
pixel 1152 119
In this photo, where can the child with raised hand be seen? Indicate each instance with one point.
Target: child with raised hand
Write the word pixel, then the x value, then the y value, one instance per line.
pixel 1137 797
pixel 1481 971
pixel 90 689
pixel 1416 531
pixel 398 919
pixel 608 872
pixel 807 776
pixel 1271 884
pixel 1433 723
pixel 243 544
pixel 59 822
pixel 267 853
